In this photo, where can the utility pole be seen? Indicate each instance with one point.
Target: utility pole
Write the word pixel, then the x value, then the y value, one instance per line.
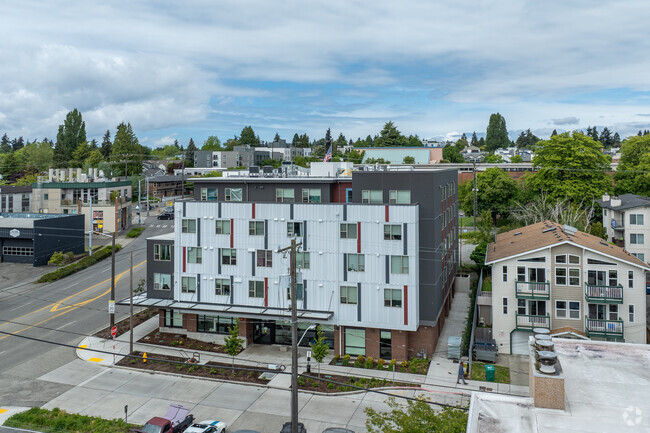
pixel 183 177
pixel 131 305
pixel 139 201
pixel 113 280
pixel 126 161
pixel 294 335
pixel 90 236
pixel 147 180
pixel 475 190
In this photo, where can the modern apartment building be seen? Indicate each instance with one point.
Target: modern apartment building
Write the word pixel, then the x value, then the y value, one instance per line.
pixel 627 221
pixel 72 192
pixel 376 265
pixel 15 198
pixel 551 276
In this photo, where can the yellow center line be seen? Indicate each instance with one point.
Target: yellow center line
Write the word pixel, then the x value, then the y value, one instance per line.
pixel 69 308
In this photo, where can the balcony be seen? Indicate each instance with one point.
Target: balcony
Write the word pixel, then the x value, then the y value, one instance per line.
pixel 532 290
pixel 618 225
pixel 603 328
pixel 604 294
pixel 526 322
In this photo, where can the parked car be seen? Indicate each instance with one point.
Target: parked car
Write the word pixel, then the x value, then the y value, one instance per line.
pixel 246 431
pixel 207 426
pixel 337 430
pixel 165 216
pixel 286 428
pixel 176 420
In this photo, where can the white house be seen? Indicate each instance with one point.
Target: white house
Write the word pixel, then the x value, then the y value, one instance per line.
pixel 625 218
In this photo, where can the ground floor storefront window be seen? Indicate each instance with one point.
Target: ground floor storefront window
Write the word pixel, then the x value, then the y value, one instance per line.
pixel 214 324
pixel 173 319
pixel 355 342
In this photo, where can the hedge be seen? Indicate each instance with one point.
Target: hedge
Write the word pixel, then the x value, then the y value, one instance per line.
pixel 135 232
pixel 79 266
pixel 59 420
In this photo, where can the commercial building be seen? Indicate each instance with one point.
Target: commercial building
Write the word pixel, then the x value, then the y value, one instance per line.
pixel 72 192
pixel 546 275
pixel 15 198
pixel 33 238
pixel 624 219
pixel 377 260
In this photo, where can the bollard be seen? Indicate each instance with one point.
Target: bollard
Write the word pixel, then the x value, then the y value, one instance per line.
pixel 144 357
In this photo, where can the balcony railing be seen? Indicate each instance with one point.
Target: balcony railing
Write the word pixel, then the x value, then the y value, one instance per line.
pixel 527 322
pixel 603 328
pixel 604 294
pixel 120 200
pixel 532 290
pixel 618 225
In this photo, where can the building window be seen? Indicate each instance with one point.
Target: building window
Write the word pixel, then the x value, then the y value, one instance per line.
pixel 284 195
pixel 574 277
pixel 173 319
pixel 630 279
pixel 194 254
pixel 640 256
pixel 302 260
pixel 162 281
pixel 356 262
pixel 208 194
pixel 393 298
pixel 504 272
pixel 222 286
pixel 574 310
pixel 613 278
pixel 256 289
pixel 348 294
pixel 596 278
pixel 385 345
pixel 256 228
pixel 392 232
pixel 374 196
pixel 560 276
pixel 399 197
pixel 294 229
pixel 188 226
pixel 228 256
pixel 613 312
pixel 348 231
pixel 265 258
pixel 574 260
pixel 46 196
pixel 348 195
pixel 222 227
pixel 560 309
pixel 18 251
pixel 233 194
pixel 636 238
pixel 214 324
pixel 162 252
pixel 521 306
pixel 188 284
pixel 399 264
pixel 630 313
pixel 521 273
pixel 504 302
pixel 636 219
pixel 311 195
pixel 299 292
pixel 355 342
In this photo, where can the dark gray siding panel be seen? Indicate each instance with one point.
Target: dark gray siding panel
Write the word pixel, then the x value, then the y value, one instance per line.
pixel 161 267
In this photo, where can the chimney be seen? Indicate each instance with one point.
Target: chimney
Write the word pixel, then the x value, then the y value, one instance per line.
pixel 78 175
pixel 545 376
pixel 615 202
pixel 70 174
pixel 605 198
pixel 50 174
pixel 61 175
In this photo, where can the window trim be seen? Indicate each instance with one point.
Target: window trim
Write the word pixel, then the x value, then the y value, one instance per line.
pixel 394 196
pixel 630 279
pixel 188 225
pixel 631 313
pixel 292 232
pixel 637 237
pixel 254 228
pixel 232 258
pixel 346 229
pixel 504 305
pixel 254 286
pixel 346 299
pixel 219 286
pixel 228 195
pixel 504 274
pixel 367 196
pixel 558 309
pixel 159 283
pixel 264 258
pixel 402 269
pixel 309 197
pixel 222 227
pixel 281 195
pixel 389 235
pixel 360 264
pixel 391 301
pixel 301 263
pixel 157 250
pixel 198 255
pixel 185 286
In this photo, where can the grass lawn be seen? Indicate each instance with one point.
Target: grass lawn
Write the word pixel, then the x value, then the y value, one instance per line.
pixel 466 221
pixel 487 284
pixel 501 374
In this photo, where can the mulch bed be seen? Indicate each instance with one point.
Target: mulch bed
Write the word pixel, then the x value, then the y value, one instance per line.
pixel 123 325
pixel 180 342
pixel 414 366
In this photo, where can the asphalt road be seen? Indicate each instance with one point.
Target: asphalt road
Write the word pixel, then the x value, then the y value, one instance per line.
pixel 61 312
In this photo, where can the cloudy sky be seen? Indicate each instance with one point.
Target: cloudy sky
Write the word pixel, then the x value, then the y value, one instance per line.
pixel 199 68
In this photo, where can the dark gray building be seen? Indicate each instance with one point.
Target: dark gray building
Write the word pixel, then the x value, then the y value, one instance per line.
pixel 33 238
pixel 160 266
pixel 15 198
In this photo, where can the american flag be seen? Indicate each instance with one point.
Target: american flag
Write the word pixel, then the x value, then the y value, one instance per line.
pixel 328 155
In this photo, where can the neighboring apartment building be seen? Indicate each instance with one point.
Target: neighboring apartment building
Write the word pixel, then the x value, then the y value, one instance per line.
pixel 376 266
pixel 240 156
pixel 73 192
pixel 627 221
pixel 15 198
pixel 551 276
pixel 168 186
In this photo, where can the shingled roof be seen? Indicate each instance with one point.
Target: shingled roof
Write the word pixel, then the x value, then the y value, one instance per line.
pixel 546 234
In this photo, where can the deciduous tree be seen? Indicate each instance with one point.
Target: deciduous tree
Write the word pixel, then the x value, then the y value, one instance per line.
pixel 451 154
pixel 497 193
pixel 633 172
pixel 233 343
pixel 211 143
pixel 319 348
pixel 71 133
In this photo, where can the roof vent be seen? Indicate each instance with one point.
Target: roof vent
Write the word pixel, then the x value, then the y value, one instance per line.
pixel 517 234
pixel 547 361
pixel 552 229
pixel 570 230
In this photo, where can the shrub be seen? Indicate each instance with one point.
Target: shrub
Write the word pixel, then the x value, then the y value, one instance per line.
pixel 337 357
pixel 213 371
pixel 404 364
pixel 341 388
pixel 380 364
pixel 314 384
pixel 330 386
pixel 357 364
pixel 393 362
pixel 80 265
pixel 370 362
pixel 301 381
pixel 361 359
pixel 135 232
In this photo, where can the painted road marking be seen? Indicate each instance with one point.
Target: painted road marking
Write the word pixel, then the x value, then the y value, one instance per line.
pixel 4 410
pixel 95 359
pixel 83 346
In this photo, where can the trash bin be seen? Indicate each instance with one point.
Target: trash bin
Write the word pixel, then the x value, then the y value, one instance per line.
pixel 489 373
pixel 453 347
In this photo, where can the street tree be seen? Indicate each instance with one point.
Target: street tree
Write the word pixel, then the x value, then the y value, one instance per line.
pixel 497 193
pixel 71 133
pixel 496 136
pixel 633 172
pixel 211 143
pixel 233 343
pixel 390 136
pixel 319 348
pixel 418 416
pixel 409 160
pixel 571 166
pixel 126 151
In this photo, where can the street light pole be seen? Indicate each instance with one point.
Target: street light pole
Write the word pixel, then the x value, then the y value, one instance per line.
pixel 140 201
pixel 474 160
pixel 113 280
pixel 131 306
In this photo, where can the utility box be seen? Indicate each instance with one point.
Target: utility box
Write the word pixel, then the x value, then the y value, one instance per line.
pixel 489 373
pixel 453 347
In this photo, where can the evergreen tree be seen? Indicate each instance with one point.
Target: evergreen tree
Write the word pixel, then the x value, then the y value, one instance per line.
pixel 606 138
pixel 369 141
pixel 617 139
pixel 93 144
pixel 496 136
pixel 276 138
pixel 107 146
pixel 248 137
pixel 71 133
pixel 481 142
pixel 526 140
pixel 5 146
pixel 390 136
pixel 176 144
pixel 328 141
pixel 126 152
pixel 189 154
pixel 594 134
pixel 339 143
pixel 554 133
pixel 296 140
pixel 17 143
pixel 474 141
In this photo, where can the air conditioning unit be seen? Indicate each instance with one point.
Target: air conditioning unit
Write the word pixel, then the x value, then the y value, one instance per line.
pixel 481 321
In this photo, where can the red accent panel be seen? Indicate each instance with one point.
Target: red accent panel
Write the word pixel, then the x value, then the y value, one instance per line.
pixel 266 291
pixel 232 232
pixel 406 305
pixel 184 252
pixel 359 237
pixel 253 210
pixel 387 213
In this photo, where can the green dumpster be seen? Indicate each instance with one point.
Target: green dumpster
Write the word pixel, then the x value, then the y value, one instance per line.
pixel 489 373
